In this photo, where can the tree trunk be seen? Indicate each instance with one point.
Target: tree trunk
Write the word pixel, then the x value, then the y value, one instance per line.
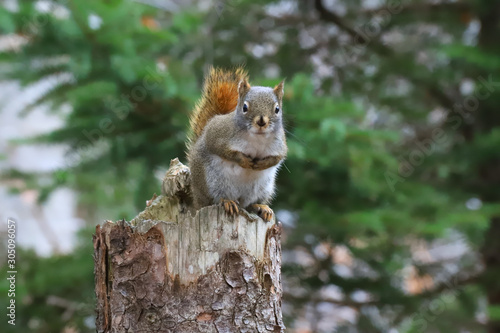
pixel 172 269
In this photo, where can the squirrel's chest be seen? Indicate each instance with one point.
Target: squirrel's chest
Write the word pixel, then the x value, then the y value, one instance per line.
pixel 255 145
pixel 228 180
pixel 233 172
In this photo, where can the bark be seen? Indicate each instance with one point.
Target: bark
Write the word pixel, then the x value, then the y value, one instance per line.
pixel 172 269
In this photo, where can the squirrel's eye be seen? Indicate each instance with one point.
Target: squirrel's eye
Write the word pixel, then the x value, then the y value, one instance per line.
pixel 245 107
pixel 277 110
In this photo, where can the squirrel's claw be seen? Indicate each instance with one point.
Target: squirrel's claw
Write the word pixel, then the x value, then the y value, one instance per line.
pixel 230 206
pixel 264 212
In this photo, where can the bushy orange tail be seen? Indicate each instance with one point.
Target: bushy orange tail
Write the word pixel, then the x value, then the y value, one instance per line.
pixel 219 96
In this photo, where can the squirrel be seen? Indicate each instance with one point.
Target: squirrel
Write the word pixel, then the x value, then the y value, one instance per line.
pixel 237 143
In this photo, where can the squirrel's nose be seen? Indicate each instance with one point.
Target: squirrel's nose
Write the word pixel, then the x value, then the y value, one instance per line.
pixel 261 122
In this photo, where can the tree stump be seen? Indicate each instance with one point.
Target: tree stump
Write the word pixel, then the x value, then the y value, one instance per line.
pixel 173 269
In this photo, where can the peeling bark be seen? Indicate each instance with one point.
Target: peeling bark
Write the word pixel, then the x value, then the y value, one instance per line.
pixel 172 269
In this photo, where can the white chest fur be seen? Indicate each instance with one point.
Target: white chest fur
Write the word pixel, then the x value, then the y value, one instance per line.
pixel 256 145
pixel 230 181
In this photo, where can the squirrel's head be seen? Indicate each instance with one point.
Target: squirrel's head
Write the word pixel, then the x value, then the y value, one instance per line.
pixel 259 108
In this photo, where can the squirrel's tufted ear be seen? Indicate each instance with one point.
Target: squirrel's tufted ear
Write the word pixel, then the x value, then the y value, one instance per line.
pixel 279 90
pixel 243 88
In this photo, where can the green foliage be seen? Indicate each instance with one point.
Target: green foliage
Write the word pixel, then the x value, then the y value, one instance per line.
pixel 64 280
pixel 367 168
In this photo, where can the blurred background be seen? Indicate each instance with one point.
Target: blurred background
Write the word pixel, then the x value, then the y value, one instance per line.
pixel 390 194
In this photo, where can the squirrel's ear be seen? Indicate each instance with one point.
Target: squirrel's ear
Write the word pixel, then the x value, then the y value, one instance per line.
pixel 243 88
pixel 279 90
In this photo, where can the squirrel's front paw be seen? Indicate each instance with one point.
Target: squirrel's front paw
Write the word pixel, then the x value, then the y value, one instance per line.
pixel 263 211
pixel 265 162
pixel 230 206
pixel 245 161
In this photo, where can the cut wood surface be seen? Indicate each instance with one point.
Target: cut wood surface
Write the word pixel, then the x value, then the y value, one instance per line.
pixel 173 269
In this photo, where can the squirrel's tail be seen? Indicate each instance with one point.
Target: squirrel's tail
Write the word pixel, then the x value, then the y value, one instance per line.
pixel 219 96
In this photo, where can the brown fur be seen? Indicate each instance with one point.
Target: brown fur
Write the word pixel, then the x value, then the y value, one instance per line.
pixel 219 96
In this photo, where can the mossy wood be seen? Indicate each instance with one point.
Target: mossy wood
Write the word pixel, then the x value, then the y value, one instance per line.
pixel 172 269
